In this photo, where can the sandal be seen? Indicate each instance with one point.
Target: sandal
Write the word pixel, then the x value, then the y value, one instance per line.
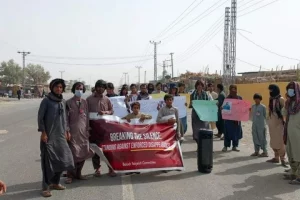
pixel 111 173
pixel 68 180
pixel 235 149
pixel 289 177
pixel 273 160
pixel 46 193
pixel 284 164
pixel 255 154
pixel 97 173
pixel 295 182
pixel 264 155
pixel 57 187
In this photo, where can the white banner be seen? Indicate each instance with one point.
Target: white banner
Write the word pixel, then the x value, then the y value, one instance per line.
pixel 148 106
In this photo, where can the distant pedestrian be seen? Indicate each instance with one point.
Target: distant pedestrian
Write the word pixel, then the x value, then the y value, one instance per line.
pixel 56 155
pixel 259 117
pixel 19 92
pixel 78 123
pixel 210 90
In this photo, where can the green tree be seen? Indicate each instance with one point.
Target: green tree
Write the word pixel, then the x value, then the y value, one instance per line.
pixel 36 74
pixel 10 72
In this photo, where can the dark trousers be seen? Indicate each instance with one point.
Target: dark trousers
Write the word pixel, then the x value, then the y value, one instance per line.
pixel 19 96
pixel 53 180
pixel 76 173
pixel 96 161
pixel 227 143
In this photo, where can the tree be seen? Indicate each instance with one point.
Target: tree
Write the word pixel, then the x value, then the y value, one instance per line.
pixel 36 74
pixel 10 73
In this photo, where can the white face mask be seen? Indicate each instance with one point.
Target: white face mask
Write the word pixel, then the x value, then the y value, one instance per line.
pixel 78 93
pixel 291 92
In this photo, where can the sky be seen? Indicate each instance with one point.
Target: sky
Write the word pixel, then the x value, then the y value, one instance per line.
pixel 110 38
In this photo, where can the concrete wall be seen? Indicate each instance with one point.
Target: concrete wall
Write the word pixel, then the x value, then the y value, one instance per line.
pixel 246 91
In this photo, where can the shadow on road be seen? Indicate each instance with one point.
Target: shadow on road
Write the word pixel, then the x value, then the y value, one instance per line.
pixel 158 177
pixel 234 159
pixel 248 169
pixel 263 188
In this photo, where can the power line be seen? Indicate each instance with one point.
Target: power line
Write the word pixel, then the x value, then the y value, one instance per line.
pixel 245 3
pixel 258 8
pixel 89 58
pixel 101 64
pixel 272 52
pixel 174 24
pixel 242 60
pixel 212 36
pixel 252 5
pixel 201 38
pixel 196 20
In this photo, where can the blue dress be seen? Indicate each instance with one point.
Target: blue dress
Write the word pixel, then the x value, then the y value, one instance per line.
pixel 233 132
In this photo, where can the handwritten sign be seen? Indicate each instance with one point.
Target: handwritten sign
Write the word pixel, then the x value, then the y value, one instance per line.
pixel 235 109
pixel 158 96
pixel 206 110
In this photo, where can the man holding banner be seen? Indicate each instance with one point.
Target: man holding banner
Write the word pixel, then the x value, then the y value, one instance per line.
pixel 98 103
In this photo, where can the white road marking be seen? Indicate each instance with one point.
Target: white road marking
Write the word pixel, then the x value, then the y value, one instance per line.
pixel 127 190
pixel 3 132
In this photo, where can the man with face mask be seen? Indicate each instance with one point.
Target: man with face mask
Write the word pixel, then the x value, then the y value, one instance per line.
pixel 291 131
pixel 98 103
pixel 78 122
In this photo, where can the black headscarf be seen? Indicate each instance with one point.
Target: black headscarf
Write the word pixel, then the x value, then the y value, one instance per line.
pixel 54 83
pixel 275 95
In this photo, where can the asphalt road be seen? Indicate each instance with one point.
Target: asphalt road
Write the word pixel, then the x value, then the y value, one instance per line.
pixel 235 175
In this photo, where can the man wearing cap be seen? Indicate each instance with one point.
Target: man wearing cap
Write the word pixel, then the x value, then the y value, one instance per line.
pixel 100 104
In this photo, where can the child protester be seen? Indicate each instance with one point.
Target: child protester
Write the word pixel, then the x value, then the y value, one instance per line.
pixel 136 114
pixel 258 113
pixel 167 110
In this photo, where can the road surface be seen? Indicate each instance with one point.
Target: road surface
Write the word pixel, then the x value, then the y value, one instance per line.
pixel 235 176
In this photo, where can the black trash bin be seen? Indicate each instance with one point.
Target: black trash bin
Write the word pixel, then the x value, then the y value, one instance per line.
pixel 205 151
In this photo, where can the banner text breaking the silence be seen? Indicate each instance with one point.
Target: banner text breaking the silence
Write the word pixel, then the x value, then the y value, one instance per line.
pixel 135 141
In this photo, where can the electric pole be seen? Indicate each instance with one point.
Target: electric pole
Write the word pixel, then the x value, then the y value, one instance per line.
pixel 139 70
pixel 145 76
pixel 155 58
pixel 61 74
pixel 164 70
pixel 125 74
pixel 23 54
pixel 226 66
pixel 232 46
pixel 172 64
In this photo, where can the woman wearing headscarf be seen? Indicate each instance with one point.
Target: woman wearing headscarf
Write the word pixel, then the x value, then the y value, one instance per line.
pixel 292 131
pixel 78 121
pixel 276 124
pixel 124 91
pixel 198 94
pixel 56 155
pixel 233 129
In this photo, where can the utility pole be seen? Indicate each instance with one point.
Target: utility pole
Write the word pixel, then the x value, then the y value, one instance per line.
pixel 145 80
pixel 23 54
pixel 226 65
pixel 61 74
pixel 139 69
pixel 232 51
pixel 172 64
pixel 155 58
pixel 164 69
pixel 125 74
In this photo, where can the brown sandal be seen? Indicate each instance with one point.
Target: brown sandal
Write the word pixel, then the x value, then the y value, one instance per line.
pixel 273 160
pixel 263 155
pixel 68 180
pixel 46 193
pixel 57 187
pixel 255 154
